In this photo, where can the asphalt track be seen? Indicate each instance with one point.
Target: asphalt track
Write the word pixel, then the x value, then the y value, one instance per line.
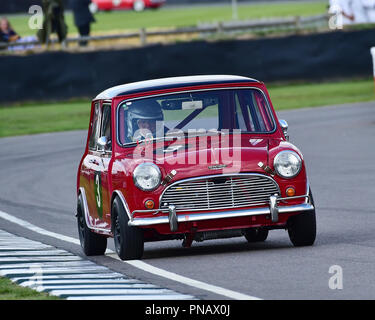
pixel 38 173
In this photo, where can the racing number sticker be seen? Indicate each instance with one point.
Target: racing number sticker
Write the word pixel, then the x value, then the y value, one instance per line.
pixel 98 193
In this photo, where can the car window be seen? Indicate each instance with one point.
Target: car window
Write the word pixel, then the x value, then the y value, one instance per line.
pixel 106 125
pixel 246 110
pixel 94 127
pixel 252 114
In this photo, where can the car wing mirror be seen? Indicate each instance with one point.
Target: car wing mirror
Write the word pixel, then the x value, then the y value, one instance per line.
pixel 284 127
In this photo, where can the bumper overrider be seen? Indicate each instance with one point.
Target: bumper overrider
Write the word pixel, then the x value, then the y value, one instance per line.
pixel 173 218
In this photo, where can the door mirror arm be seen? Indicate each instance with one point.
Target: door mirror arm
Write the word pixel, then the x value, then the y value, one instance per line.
pixel 284 127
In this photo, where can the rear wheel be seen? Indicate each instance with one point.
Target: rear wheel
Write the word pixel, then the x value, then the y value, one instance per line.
pixel 302 227
pixel 129 242
pixel 256 234
pixel 93 244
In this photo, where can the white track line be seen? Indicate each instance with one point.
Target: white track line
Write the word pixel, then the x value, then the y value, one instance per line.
pixel 36 229
pixel 136 263
pixel 188 281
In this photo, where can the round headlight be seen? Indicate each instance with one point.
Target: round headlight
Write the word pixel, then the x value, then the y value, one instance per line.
pixel 287 164
pixel 147 176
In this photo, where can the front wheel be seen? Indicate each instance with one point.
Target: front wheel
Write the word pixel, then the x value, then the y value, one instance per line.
pixel 93 244
pixel 129 242
pixel 302 227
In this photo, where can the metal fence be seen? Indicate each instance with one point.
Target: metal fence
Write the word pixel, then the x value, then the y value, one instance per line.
pixel 231 27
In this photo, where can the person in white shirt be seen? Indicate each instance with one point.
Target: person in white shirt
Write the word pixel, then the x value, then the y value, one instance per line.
pixel 343 9
pixel 359 12
pixel 369 8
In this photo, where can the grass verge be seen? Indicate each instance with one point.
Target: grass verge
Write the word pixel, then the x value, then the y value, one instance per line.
pixel 321 94
pixel 74 115
pixel 117 21
pixel 11 291
pixel 44 117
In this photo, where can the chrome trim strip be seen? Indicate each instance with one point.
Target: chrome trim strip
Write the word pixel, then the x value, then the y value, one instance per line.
pixel 274 210
pixel 172 218
pixel 308 200
pixel 86 211
pixel 156 211
pixel 139 222
pixel 292 198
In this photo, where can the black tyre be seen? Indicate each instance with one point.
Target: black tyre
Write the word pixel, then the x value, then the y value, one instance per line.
pixel 93 244
pixel 302 228
pixel 129 242
pixel 256 234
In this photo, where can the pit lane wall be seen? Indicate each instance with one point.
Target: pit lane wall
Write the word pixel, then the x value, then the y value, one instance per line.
pixel 64 75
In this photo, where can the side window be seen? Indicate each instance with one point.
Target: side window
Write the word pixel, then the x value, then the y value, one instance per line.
pixel 252 114
pixel 106 126
pixel 94 128
pixel 244 118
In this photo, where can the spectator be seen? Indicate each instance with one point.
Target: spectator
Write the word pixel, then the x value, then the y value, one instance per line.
pixel 7 34
pixel 343 10
pixel 82 18
pixel 359 12
pixel 369 6
pixel 347 11
pixel 54 21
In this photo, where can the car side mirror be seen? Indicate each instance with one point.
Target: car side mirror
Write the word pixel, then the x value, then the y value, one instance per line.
pixel 103 143
pixel 284 127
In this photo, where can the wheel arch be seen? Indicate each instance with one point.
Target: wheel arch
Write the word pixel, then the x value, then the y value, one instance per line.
pixel 119 194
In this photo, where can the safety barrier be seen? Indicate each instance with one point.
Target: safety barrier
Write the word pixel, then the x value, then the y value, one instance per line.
pixel 64 75
pixel 264 25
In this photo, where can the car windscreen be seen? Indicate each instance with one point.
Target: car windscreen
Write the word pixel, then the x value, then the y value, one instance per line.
pixel 246 110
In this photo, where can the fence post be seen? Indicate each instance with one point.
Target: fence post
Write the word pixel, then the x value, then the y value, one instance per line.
pixel 143 36
pixel 220 27
pixel 234 10
pixel 297 23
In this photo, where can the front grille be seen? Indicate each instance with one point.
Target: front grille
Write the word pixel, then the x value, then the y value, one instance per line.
pixel 216 192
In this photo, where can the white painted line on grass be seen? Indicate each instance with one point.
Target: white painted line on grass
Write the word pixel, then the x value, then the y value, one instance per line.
pixel 136 263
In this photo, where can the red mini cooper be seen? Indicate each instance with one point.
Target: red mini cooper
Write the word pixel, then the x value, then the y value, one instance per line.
pixel 190 158
pixel 136 5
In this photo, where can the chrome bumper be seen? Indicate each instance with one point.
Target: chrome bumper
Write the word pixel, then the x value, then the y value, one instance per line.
pixel 173 218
